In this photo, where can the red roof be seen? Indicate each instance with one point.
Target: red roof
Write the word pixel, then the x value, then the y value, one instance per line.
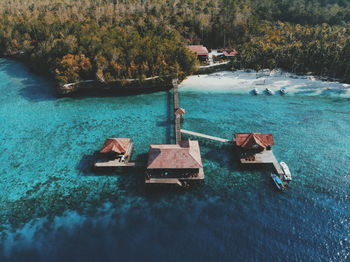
pixel 186 155
pixel 198 49
pixel 253 140
pixel 180 111
pixel 117 145
pixel 230 53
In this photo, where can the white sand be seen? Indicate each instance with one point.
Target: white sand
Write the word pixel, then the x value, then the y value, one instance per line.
pixel 244 82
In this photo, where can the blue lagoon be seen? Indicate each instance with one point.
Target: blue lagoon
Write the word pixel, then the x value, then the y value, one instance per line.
pixel 52 203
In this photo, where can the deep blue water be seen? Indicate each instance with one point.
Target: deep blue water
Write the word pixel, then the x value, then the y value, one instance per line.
pixel 54 208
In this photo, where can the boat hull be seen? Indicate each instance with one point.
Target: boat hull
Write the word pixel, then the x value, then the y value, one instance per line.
pixel 278 182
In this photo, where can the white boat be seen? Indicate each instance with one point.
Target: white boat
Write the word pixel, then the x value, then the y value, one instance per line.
pixel 287 174
pixel 278 182
pixel 255 91
pixel 268 91
pixel 283 91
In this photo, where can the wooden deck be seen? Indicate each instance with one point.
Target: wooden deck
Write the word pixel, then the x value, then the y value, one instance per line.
pixel 265 157
pixel 174 180
pixel 218 139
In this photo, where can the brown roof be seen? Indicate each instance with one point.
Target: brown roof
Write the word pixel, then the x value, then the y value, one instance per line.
pixel 186 155
pixel 180 111
pixel 117 145
pixel 230 53
pixel 253 140
pixel 198 49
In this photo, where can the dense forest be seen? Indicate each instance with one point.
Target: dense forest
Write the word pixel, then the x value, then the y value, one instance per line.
pixel 108 40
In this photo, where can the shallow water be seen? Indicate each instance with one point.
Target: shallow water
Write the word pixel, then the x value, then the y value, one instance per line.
pixel 54 208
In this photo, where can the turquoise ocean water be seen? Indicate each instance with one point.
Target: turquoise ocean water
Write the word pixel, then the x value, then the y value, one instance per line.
pixel 54 208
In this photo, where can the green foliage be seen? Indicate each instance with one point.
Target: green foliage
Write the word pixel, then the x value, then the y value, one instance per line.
pixel 119 39
pixel 320 49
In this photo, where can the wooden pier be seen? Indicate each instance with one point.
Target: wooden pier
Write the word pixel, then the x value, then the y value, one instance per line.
pixel 191 133
pixel 264 157
pixel 118 163
pixel 176 106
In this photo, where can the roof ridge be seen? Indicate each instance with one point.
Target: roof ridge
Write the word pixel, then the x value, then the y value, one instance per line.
pixel 258 138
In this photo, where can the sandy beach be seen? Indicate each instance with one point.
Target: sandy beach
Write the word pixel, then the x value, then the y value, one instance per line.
pixel 245 81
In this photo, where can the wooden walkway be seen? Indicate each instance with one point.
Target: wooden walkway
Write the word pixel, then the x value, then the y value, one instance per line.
pixel 191 133
pixel 118 163
pixel 265 157
pixel 176 106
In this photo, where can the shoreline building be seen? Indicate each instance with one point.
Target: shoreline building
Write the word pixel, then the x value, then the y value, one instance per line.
pixel 201 52
pixel 174 163
pixel 230 53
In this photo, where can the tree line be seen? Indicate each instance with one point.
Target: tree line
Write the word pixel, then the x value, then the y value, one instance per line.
pixel 108 40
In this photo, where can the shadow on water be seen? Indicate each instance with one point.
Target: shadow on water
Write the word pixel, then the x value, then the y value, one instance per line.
pixel 86 163
pixel 169 136
pixel 335 91
pixel 117 92
pixel 36 88
pixel 42 88
pixel 306 92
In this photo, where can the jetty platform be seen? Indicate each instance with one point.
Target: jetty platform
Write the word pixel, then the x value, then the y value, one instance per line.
pixel 180 181
pixel 191 133
pixel 264 157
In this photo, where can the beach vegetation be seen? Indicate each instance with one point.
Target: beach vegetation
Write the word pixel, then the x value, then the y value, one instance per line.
pixel 117 39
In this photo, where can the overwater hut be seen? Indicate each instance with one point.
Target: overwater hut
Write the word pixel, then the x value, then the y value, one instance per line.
pixel 117 147
pixel 201 52
pixel 255 148
pixel 174 164
pixel 253 142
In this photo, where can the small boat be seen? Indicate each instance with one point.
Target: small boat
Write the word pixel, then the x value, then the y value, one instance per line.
pixel 268 91
pixel 283 91
pixel 255 91
pixel 278 182
pixel 287 174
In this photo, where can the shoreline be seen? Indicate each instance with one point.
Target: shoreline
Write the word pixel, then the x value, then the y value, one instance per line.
pixel 244 81
pixel 122 86
pixel 218 79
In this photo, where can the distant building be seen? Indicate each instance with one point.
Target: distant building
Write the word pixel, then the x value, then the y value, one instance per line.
pixel 255 142
pixel 201 52
pixel 174 164
pixel 230 53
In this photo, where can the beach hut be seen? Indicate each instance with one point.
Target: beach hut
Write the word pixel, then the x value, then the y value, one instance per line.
pixel 230 53
pixel 201 52
pixel 253 142
pixel 174 163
